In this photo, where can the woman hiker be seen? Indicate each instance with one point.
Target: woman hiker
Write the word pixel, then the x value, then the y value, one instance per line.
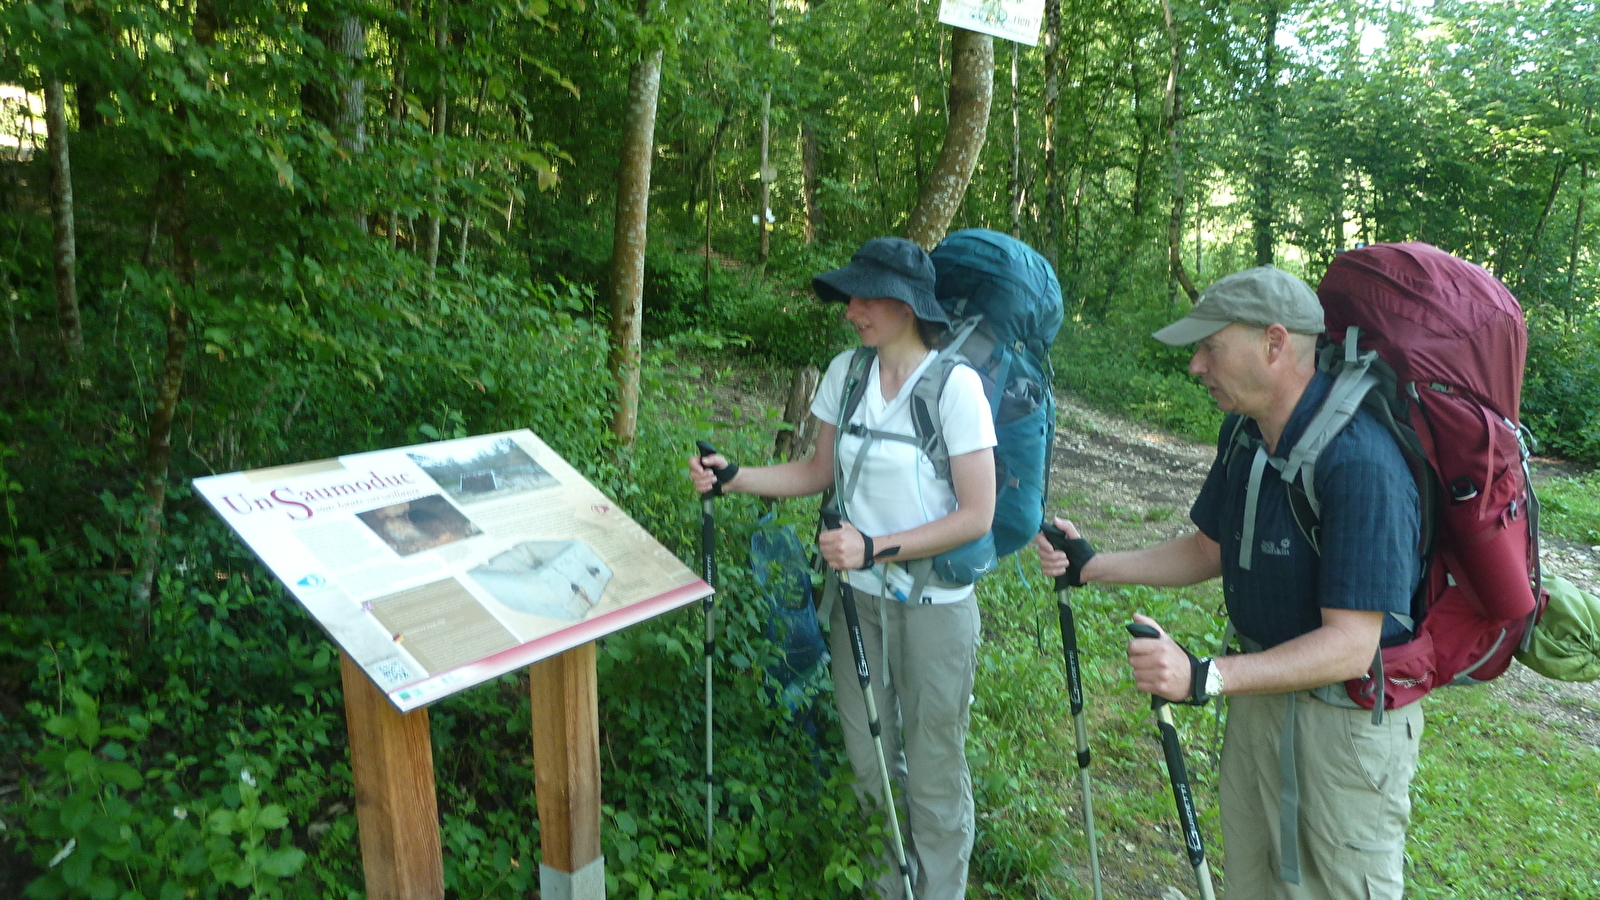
pixel 921 651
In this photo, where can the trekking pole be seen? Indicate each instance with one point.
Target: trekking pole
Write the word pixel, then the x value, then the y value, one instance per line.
pixel 1181 792
pixel 847 600
pixel 1069 649
pixel 708 571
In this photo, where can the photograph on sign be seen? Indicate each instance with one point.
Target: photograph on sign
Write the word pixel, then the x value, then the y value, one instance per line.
pixel 1013 20
pixel 439 566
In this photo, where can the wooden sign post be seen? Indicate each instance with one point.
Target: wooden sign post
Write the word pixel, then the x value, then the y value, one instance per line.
pixel 397 813
pixel 566 774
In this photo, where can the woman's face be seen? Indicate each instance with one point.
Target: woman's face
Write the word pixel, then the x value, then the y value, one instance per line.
pixel 880 320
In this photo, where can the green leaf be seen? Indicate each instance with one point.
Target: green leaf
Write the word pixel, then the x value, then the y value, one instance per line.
pixel 283 862
pixel 64 727
pixel 272 817
pixel 122 775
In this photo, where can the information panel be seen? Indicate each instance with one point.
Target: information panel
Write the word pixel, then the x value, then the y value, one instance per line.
pixel 1014 20
pixel 439 566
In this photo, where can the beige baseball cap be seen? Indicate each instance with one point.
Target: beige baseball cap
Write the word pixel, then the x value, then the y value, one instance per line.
pixel 1262 296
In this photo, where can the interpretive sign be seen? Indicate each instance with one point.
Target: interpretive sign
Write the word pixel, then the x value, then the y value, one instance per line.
pixel 438 566
pixel 1014 20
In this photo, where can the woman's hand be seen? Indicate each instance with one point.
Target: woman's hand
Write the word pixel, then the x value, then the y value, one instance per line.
pixel 843 547
pixel 702 472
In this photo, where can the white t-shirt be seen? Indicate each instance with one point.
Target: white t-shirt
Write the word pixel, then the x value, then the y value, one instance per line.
pixel 898 489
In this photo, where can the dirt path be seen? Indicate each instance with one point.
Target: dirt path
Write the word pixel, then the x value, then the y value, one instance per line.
pixel 1135 483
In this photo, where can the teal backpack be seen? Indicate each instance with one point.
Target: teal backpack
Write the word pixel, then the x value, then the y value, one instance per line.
pixel 1005 308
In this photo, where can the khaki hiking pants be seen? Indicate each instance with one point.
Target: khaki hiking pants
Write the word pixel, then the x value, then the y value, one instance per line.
pixel 924 710
pixel 1354 778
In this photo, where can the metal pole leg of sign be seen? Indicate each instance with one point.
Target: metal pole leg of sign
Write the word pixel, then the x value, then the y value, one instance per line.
pixel 847 600
pixel 1179 775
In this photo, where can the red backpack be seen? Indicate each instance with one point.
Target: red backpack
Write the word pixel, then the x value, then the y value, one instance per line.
pixel 1438 352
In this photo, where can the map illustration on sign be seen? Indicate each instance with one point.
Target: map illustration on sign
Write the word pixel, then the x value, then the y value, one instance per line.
pixel 439 566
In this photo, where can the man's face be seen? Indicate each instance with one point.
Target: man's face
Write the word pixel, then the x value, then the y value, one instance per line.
pixel 1232 365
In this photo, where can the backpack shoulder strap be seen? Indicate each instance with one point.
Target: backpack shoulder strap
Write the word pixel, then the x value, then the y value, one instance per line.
pixel 1353 381
pixel 929 390
pixel 855 387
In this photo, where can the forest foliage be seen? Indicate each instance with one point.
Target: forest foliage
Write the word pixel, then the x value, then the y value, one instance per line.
pixel 302 230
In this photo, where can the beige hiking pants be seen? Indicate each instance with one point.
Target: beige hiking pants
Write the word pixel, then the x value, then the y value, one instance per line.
pixel 1354 778
pixel 924 710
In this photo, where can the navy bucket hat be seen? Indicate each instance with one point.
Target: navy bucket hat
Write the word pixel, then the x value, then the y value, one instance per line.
pixel 885 267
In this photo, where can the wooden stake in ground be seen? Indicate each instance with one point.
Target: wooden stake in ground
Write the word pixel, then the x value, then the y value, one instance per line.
pixel 566 774
pixel 397 813
pixel 971 93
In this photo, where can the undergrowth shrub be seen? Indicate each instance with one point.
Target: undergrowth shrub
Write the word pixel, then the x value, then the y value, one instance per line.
pixel 1561 391
pixel 219 766
pixel 1570 508
pixel 1116 364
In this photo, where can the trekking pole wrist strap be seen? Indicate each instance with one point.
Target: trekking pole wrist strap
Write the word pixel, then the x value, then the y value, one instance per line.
pixel 870 554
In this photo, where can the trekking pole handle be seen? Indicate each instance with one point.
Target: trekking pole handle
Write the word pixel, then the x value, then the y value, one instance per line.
pixel 1058 540
pixel 723 475
pixel 831 520
pixel 1141 630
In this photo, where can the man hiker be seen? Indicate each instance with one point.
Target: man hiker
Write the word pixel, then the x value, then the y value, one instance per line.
pixel 1314 795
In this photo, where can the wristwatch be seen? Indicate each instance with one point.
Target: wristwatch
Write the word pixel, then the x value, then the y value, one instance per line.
pixel 1213 678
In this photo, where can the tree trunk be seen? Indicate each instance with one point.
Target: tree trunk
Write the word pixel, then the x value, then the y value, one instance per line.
pixel 1263 225
pixel 66 245
pixel 1016 152
pixel 1173 113
pixel 767 175
pixel 971 92
pixel 711 195
pixel 628 241
pixel 1052 91
pixel 441 103
pixel 1532 247
pixel 350 119
pixel 397 108
pixel 810 174
pixel 801 391
pixel 1577 226
pixel 158 448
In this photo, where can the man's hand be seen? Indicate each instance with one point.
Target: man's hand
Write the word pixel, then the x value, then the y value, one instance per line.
pixel 1160 665
pixel 702 471
pixel 1069 561
pixel 843 547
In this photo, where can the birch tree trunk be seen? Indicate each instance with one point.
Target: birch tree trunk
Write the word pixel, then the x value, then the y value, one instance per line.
pixel 66 245
pixel 971 94
pixel 628 240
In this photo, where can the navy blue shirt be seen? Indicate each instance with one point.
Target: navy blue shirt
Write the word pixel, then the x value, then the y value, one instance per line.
pixel 1369 535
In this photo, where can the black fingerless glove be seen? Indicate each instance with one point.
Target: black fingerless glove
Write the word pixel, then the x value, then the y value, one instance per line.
pixel 1078 555
pixel 723 475
pixel 1197 678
